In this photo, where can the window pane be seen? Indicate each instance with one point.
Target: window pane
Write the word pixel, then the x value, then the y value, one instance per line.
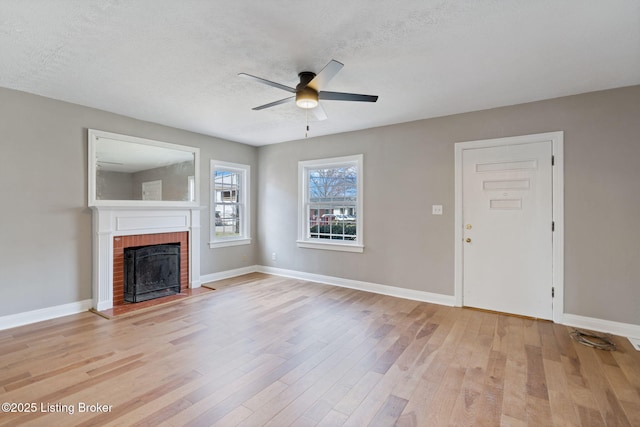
pixel 325 184
pixel 332 198
pixel 332 222
pixel 332 184
pixel 230 222
pixel 227 186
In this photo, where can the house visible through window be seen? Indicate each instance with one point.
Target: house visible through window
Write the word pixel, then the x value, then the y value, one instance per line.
pixel 229 204
pixel 330 213
pixel 229 195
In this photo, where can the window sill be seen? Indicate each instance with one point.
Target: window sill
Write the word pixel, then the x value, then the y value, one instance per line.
pixel 344 247
pixel 231 242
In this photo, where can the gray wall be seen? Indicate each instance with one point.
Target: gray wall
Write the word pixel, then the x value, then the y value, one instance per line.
pixel 45 225
pixel 114 185
pixel 174 180
pixel 409 167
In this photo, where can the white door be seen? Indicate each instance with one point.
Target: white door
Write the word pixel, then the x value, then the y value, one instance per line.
pixel 507 213
pixel 152 190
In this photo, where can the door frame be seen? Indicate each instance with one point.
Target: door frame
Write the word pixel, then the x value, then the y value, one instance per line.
pixel 557 239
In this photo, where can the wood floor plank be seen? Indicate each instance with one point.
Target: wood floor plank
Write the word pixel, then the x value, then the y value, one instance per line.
pixel 605 399
pixel 390 411
pixel 54 372
pixel 348 404
pixel 318 381
pixel 333 419
pixel 514 406
pixel 536 381
pixel 419 405
pixel 563 409
pixel 264 350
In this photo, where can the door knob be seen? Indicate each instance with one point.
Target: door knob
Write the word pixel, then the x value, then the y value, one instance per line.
pixel 468 240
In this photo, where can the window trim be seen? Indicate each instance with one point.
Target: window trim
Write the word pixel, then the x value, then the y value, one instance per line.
pixel 303 241
pixel 245 207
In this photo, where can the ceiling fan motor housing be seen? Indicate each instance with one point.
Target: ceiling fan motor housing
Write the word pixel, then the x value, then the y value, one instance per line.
pixel 305 78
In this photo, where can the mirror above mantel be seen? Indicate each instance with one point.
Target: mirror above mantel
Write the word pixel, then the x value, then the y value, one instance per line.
pixel 137 172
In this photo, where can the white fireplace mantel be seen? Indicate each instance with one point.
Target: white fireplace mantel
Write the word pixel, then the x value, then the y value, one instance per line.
pixel 112 221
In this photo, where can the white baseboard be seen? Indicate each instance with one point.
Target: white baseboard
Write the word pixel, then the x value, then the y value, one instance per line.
pixel 616 328
pixel 20 319
pixel 227 274
pixel 363 286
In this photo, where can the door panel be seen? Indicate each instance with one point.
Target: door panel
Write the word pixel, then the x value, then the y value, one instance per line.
pixel 507 214
pixel 152 190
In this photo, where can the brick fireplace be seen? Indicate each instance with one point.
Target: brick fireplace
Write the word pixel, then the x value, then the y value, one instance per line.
pixel 116 228
pixel 120 243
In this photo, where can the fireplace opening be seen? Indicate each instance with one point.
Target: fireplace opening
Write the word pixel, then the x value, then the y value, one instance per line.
pixel 151 271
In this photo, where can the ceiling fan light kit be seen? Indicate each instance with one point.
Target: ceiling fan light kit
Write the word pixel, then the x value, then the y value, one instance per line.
pixel 307 98
pixel 308 91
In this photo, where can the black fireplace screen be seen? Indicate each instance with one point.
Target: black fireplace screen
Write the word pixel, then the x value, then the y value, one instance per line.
pixel 151 272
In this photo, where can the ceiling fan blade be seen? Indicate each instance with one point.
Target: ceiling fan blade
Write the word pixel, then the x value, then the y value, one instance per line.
pixel 342 96
pixel 318 111
pixel 323 77
pixel 273 104
pixel 268 82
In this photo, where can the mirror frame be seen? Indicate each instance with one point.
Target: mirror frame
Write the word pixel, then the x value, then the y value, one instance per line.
pixel 94 139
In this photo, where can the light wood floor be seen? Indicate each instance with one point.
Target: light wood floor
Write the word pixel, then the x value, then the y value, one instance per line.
pixel 266 350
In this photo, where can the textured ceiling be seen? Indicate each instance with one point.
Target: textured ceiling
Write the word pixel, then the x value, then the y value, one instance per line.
pixel 176 62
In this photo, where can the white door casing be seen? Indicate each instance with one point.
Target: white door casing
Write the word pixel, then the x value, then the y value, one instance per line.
pixel 508 195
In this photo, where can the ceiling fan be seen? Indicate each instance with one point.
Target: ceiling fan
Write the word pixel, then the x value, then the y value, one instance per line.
pixel 309 91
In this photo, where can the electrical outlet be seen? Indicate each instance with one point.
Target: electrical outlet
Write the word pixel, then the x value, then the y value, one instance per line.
pixel 274 256
pixel 436 209
pixel 244 257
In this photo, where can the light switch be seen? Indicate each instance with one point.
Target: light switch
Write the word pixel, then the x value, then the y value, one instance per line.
pixel 436 209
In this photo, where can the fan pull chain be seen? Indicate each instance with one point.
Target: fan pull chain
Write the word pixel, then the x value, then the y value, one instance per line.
pixel 306 112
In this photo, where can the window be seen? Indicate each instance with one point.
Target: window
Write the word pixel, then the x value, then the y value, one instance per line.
pixel 229 204
pixel 330 204
pixel 191 182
